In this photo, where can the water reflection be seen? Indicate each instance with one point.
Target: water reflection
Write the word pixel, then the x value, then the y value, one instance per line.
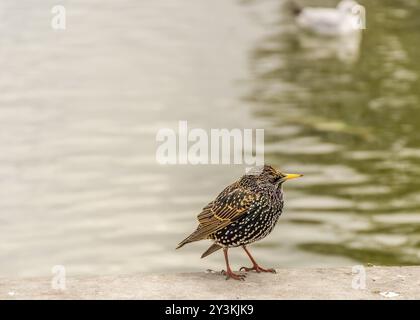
pixel 353 128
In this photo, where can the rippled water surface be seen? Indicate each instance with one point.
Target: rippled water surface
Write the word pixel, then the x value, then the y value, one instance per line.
pixel 79 112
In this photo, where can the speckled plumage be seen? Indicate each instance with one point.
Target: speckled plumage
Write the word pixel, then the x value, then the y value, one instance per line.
pixel 244 212
pixel 257 223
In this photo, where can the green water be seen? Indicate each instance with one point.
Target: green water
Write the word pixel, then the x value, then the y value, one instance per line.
pixel 353 126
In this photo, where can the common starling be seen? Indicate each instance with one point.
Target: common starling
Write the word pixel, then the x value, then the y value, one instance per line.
pixel 244 212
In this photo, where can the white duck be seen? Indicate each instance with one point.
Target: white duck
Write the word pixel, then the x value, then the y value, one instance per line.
pixel 347 17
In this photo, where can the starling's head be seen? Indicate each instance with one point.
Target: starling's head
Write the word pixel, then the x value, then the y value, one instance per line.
pixel 273 176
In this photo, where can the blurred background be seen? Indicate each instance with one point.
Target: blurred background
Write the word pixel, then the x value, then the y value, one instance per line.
pixel 80 109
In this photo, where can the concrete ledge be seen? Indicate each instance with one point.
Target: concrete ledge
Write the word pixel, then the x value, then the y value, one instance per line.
pixel 332 283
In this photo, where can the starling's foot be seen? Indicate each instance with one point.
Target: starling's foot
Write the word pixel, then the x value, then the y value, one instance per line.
pixel 257 269
pixel 229 274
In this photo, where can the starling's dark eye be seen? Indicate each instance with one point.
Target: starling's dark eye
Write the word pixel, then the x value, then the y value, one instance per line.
pixel 275 179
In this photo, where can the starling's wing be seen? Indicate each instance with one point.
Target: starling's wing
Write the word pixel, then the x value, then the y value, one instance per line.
pixel 232 203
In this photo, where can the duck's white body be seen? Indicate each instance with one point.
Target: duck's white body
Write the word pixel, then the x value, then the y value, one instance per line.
pixel 346 18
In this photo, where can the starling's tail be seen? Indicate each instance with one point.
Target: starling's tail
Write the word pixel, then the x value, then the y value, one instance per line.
pixel 214 247
pixel 195 236
pixel 202 232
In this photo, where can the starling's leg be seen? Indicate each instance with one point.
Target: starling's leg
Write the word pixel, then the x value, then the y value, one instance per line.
pixel 229 273
pixel 255 265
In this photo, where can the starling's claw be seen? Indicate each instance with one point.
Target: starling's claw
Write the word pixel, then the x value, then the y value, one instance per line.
pixel 245 269
pixel 240 277
pixel 257 269
pixel 230 274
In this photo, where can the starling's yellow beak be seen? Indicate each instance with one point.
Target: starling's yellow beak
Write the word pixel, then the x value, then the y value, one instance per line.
pixel 289 176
